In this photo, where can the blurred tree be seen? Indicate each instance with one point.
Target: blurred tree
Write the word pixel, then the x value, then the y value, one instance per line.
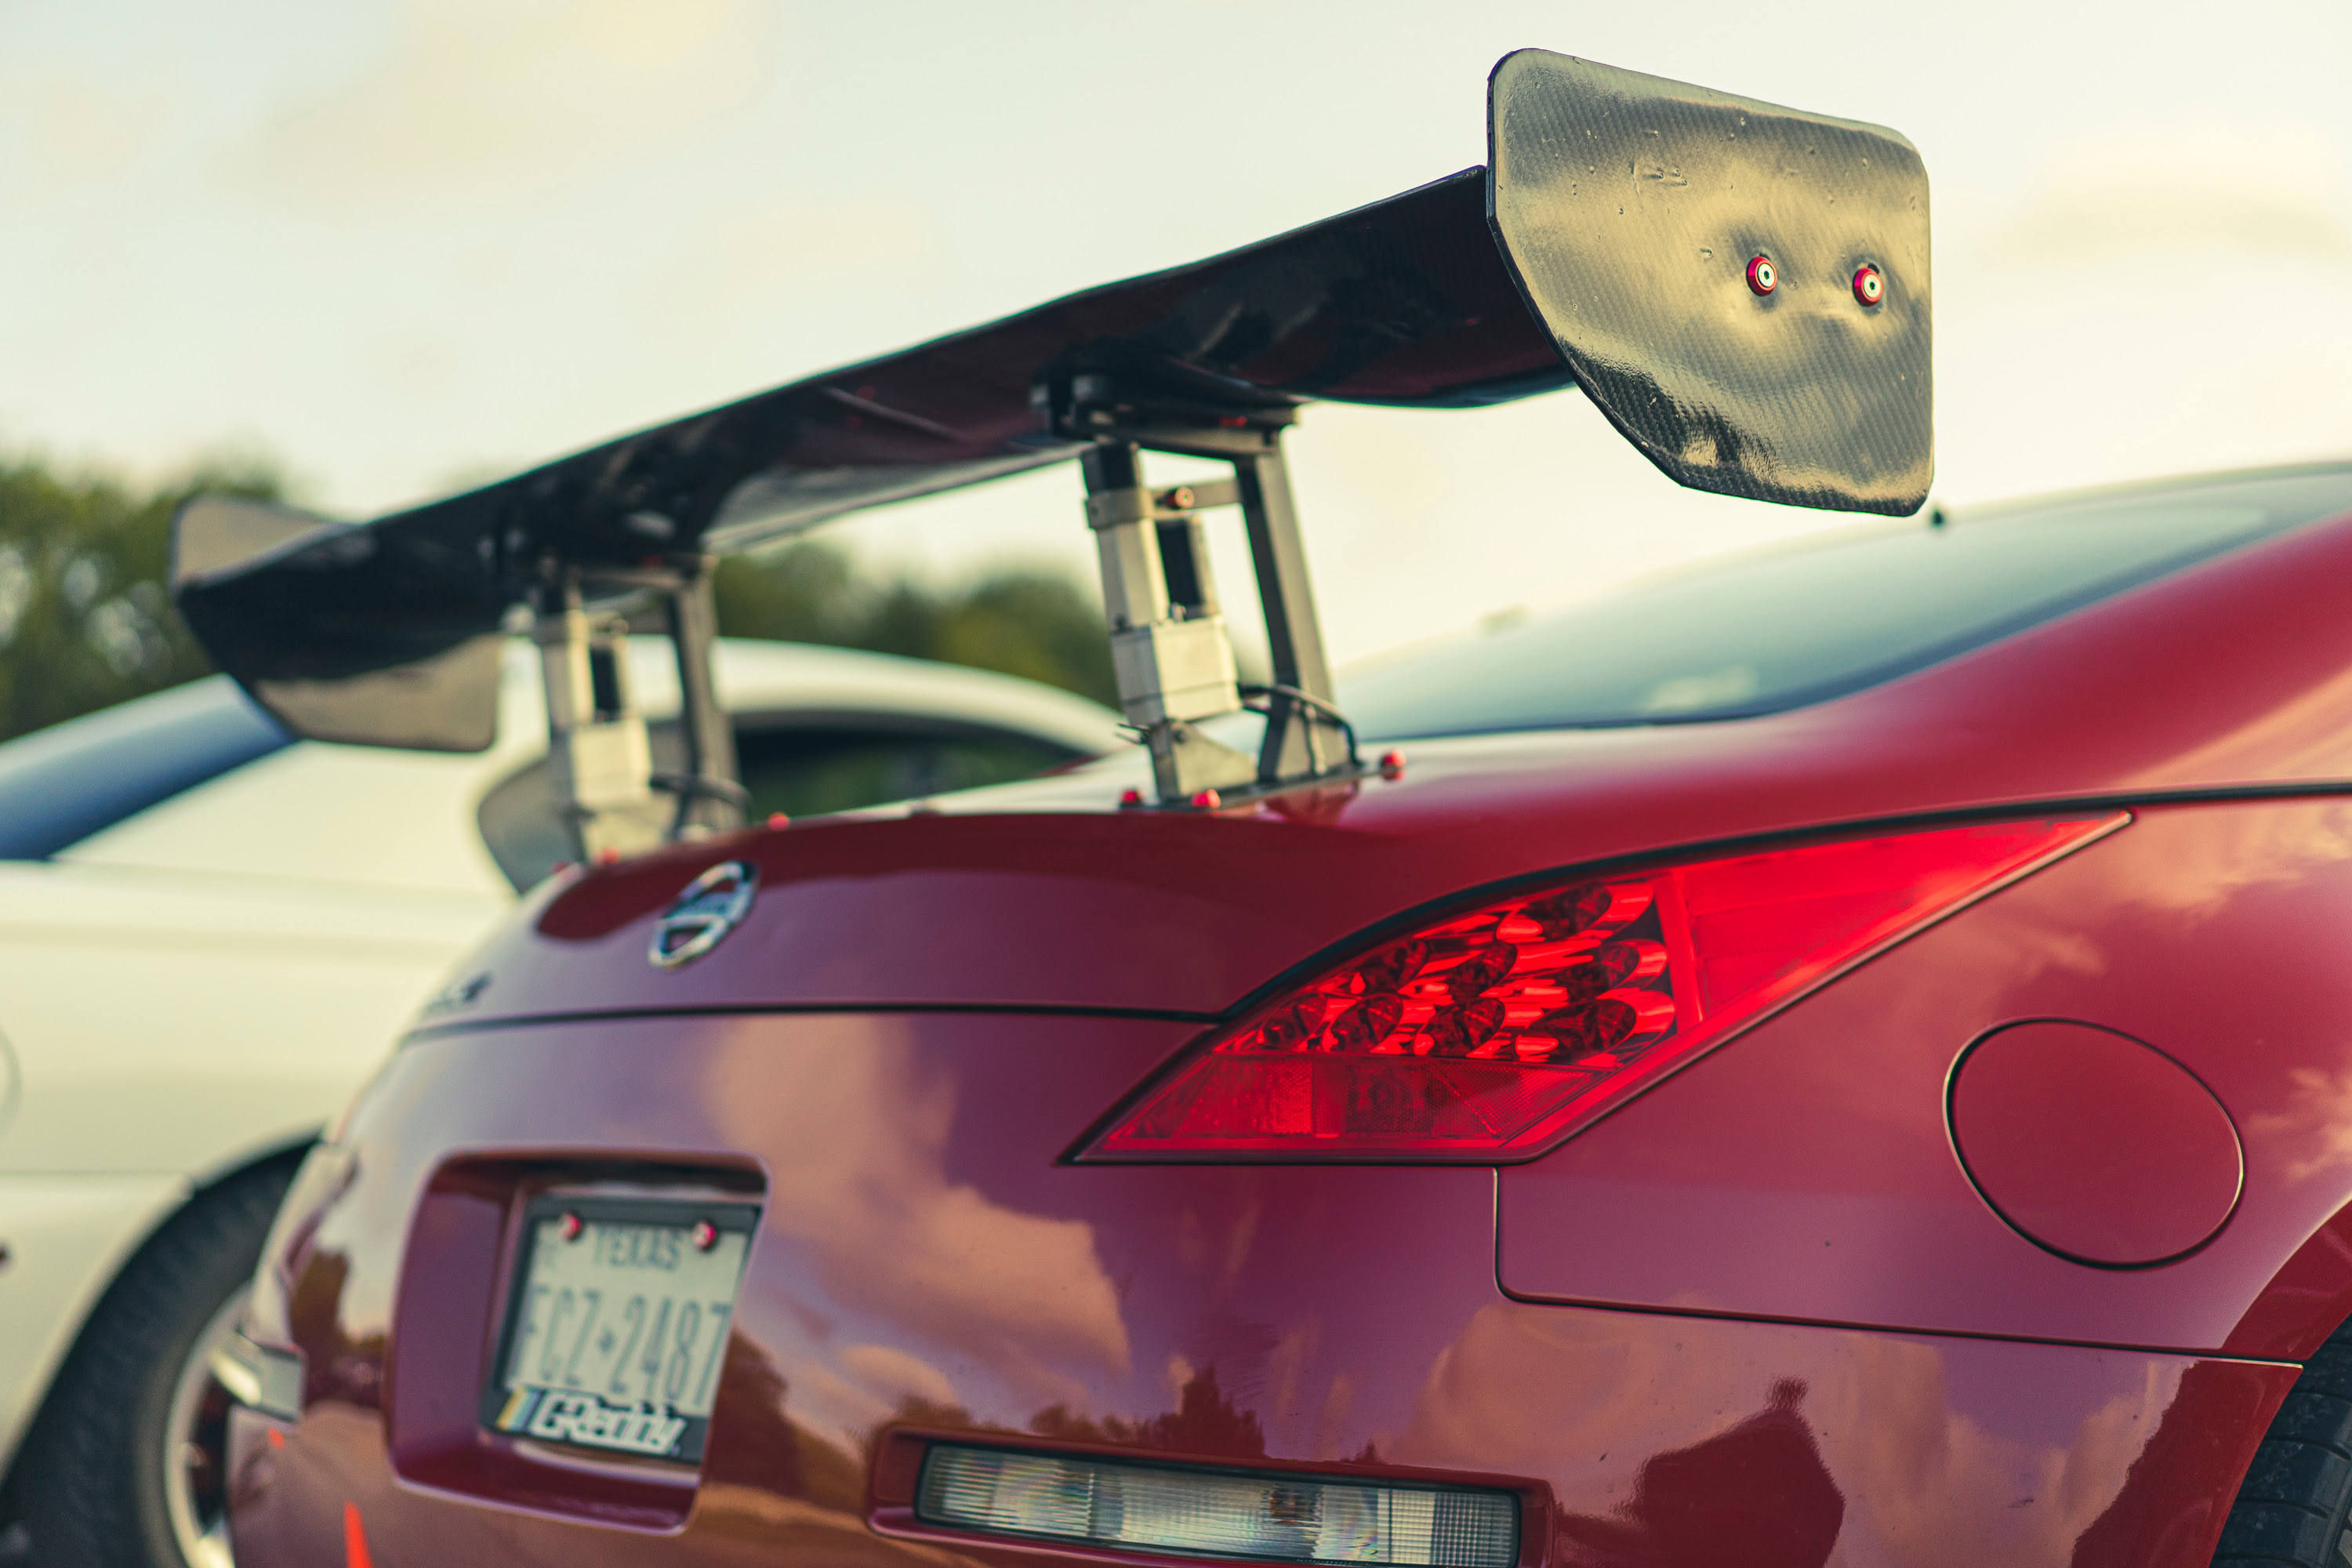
pixel 1021 621
pixel 85 619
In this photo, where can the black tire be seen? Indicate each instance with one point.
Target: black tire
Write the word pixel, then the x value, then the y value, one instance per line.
pixel 2293 1506
pixel 92 1475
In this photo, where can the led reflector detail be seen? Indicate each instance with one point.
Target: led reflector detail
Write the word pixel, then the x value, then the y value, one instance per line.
pixel 1502 1029
pixel 1274 1518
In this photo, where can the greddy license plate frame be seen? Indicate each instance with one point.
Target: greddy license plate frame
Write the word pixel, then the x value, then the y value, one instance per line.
pixel 591 1419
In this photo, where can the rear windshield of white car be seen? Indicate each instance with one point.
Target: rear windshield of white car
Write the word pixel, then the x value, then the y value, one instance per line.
pixel 1768 631
pixel 60 784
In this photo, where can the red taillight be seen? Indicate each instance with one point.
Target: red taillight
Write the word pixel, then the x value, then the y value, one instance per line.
pixel 1497 1031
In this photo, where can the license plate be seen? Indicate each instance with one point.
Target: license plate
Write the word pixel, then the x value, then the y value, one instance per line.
pixel 618 1328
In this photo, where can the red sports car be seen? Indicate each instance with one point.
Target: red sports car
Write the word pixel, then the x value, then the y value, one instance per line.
pixel 1842 1056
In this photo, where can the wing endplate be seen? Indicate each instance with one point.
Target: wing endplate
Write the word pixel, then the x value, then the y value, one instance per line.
pixel 1631 207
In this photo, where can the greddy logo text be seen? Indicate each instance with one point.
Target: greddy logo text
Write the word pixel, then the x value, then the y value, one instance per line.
pixel 566 1417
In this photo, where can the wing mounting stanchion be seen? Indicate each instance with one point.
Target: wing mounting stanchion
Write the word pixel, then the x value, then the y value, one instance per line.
pixel 1173 661
pixel 710 793
pixel 600 756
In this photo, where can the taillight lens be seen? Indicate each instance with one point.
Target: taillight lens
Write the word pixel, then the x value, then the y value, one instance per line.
pixel 1496 1032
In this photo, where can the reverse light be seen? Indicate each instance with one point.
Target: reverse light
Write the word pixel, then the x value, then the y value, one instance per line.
pixel 1278 1518
pixel 1497 1031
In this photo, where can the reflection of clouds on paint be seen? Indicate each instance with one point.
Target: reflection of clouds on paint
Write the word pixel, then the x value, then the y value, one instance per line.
pixel 897 1376
pixel 2231 852
pixel 1588 1399
pixel 1287 1368
pixel 2195 879
pixel 1179 1375
pixel 2316 1121
pixel 858 1177
pixel 2300 737
pixel 1939 1489
pixel 834 1406
pixel 1339 1404
pixel 532 89
pixel 1579 1382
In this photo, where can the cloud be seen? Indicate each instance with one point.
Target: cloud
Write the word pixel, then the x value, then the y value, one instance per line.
pixel 489 94
pixel 2159 296
pixel 2151 195
pixel 758 272
pixel 66 133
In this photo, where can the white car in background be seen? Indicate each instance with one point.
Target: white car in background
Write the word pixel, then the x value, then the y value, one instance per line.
pixel 201 962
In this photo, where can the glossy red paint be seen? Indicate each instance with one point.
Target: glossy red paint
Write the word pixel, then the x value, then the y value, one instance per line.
pixel 1806 1171
pixel 924 1265
pixel 2228 677
pixel 1497 1030
pixel 2096 1145
pixel 1759 1313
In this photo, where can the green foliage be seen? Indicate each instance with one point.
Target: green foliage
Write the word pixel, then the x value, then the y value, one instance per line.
pixel 85 619
pixel 1022 622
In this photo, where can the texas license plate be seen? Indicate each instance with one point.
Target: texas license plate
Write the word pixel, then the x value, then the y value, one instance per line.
pixel 616 1333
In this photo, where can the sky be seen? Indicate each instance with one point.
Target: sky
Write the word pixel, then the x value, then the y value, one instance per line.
pixel 400 245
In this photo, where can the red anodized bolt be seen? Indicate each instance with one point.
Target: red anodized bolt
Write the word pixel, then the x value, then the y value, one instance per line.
pixel 706 1235
pixel 1129 798
pixel 1762 276
pixel 1391 764
pixel 1207 799
pixel 1868 286
pixel 570 1225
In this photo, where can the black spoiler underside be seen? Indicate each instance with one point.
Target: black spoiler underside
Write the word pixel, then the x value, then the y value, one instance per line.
pixel 1606 244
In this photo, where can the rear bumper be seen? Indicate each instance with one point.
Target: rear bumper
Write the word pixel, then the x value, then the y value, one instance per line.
pixel 924 1265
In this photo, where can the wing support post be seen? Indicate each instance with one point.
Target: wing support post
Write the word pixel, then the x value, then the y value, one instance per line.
pixel 600 755
pixel 1169 649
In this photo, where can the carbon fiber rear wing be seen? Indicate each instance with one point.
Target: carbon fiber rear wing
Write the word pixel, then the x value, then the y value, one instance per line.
pixel 1743 290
